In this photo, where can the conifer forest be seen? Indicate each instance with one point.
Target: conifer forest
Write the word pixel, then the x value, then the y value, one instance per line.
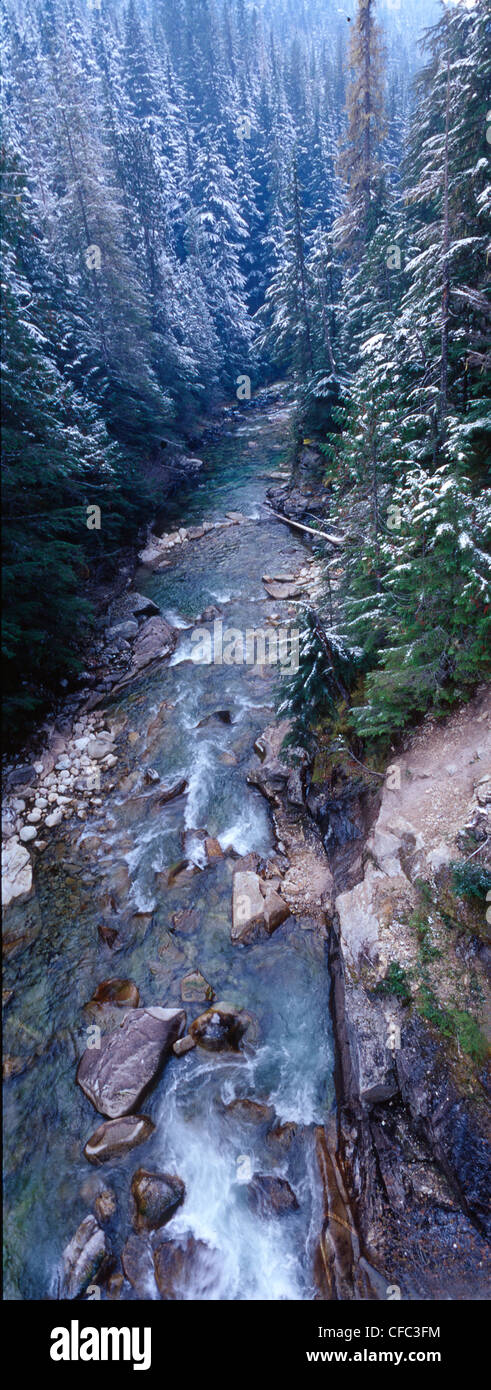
pixel 246 390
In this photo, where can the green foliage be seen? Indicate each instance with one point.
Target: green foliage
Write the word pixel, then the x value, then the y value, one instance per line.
pixel 421 926
pixel 396 982
pixel 471 880
pixel 453 1023
pixel 311 695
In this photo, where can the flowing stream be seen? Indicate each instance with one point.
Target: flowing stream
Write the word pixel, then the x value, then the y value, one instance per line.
pixel 112 869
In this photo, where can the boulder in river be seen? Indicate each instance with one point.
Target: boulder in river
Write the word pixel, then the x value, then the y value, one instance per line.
pixel 116 1137
pixel 117 1075
pixel 105 1204
pixel 84 1258
pixel 156 639
pixel 194 987
pixel 275 911
pixel 16 871
pixel 268 1196
pixel 184 1268
pixel 137 1261
pixel 108 935
pixel 247 906
pixel 254 1112
pixel 124 993
pixel 170 793
pixel 213 848
pixel 142 606
pixel 220 1029
pixel 183 1045
pixel 156 1197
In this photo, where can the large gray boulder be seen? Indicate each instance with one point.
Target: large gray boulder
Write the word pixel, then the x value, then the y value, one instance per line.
pixel 117 1075
pixel 16 872
pixel 247 906
pixel 156 639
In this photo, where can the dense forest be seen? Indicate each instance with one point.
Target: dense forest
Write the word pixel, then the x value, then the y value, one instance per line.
pixel 198 191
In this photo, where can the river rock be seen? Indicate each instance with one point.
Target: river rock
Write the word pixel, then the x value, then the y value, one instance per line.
pixel 284 590
pixel 220 1029
pixel 170 793
pixel 187 920
pixel 27 833
pixel 183 1045
pixel 268 1196
pixel 185 1267
pixel 156 1197
pixel 22 776
pixel 105 1204
pixel 142 606
pixel 254 1112
pixel 275 911
pixel 282 1135
pixel 84 1258
pixel 247 906
pixel 16 871
pixel 213 848
pixel 124 993
pixel 272 776
pixel 116 1076
pixel 99 746
pixel 194 987
pixel 117 1137
pixel 137 1262
pixel 156 639
pixel 126 630
pixel 108 935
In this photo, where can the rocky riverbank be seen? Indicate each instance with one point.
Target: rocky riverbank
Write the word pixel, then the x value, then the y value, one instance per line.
pixel 410 968
pixel 400 1172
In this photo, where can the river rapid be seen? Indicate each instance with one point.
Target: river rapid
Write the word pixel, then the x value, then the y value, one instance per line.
pixel 112 869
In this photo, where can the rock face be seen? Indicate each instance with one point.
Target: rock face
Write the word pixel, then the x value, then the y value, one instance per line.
pixel 220 1029
pixel 185 1268
pixel 16 872
pixel 116 1137
pixel 116 1076
pixel 156 1197
pixel 448 1120
pixel 84 1258
pixel 358 919
pixel 155 639
pixel 268 1196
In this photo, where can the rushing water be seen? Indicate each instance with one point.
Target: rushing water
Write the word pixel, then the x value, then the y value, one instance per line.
pixel 112 869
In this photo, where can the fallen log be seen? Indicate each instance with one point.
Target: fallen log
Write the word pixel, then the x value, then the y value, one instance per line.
pixel 323 535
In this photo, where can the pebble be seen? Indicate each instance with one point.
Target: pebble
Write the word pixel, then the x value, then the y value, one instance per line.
pixel 27 833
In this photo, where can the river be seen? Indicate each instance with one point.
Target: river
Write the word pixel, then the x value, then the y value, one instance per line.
pixel 112 869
